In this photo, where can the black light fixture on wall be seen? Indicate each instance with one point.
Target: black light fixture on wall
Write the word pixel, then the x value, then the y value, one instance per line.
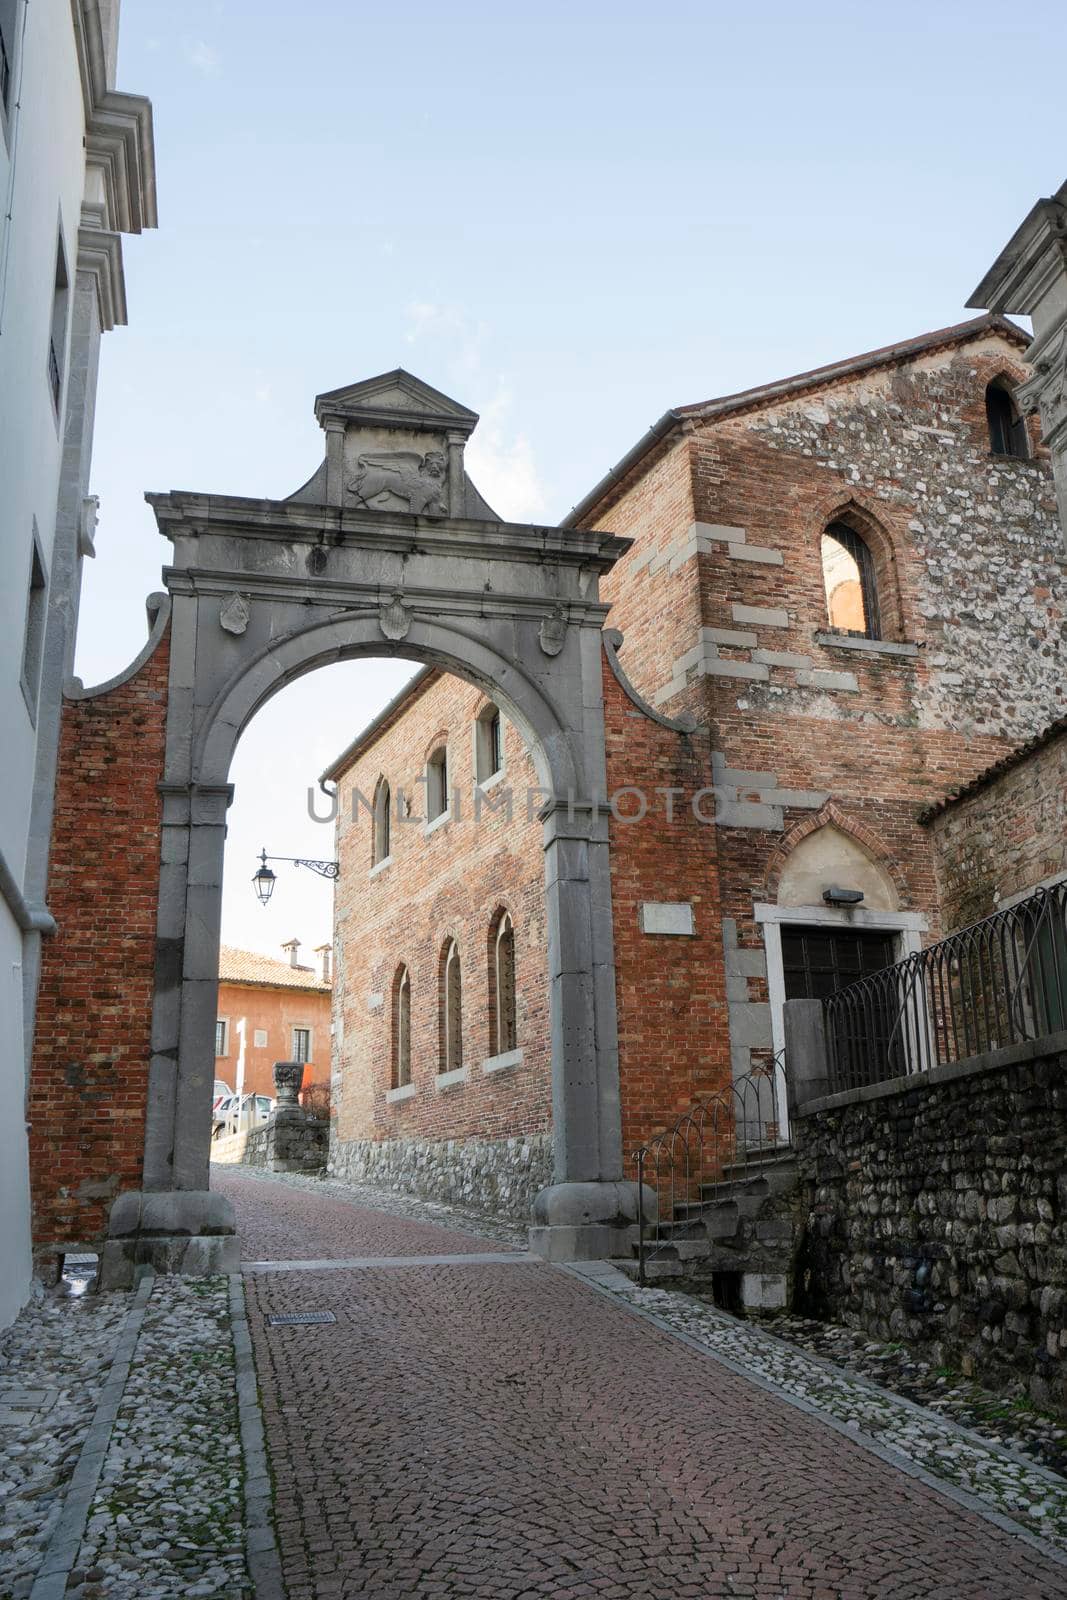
pixel 263 879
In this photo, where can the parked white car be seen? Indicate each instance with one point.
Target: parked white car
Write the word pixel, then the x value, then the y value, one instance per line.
pixel 235 1111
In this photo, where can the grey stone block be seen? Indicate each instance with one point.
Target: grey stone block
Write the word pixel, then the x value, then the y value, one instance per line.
pixel 736 637
pixel 749 814
pixel 750 1024
pixel 734 669
pixel 761 616
pixel 818 679
pixel 755 552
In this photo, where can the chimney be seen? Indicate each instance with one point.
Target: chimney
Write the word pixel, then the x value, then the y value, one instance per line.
pixel 293 947
pixel 324 952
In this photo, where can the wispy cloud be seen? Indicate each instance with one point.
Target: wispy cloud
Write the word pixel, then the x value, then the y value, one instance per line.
pixel 201 56
pixel 501 461
pixel 499 457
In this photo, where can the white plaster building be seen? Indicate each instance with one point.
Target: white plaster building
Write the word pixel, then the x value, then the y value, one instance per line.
pixel 76 171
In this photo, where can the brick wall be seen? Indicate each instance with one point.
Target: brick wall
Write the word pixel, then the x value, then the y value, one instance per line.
pixel 808 728
pixel 89 1078
pixel 448 883
pixel 1007 836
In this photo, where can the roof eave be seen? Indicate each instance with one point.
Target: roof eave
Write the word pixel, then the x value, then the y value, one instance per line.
pixel 615 475
pixel 368 734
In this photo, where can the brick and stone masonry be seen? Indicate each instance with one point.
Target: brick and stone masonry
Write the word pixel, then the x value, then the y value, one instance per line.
pixel 90 1074
pixel 722 603
pixel 800 731
pixel 1005 833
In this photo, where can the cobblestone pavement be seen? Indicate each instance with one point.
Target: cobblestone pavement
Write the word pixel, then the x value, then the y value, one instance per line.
pixel 504 1430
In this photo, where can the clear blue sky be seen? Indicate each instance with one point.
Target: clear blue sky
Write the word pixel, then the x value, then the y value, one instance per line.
pixel 569 217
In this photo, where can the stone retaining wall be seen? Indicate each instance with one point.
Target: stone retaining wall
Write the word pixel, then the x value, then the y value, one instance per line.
pixel 937 1213
pixel 500 1176
pixel 248 1148
pixel 285 1145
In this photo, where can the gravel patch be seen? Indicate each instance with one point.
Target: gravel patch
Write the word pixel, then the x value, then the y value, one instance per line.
pixel 54 1361
pixel 167 1518
pixel 1008 1420
pixel 410 1207
pixel 1004 1479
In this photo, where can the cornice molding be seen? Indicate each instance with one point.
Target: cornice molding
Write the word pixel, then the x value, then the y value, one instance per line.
pixel 119 141
pixel 100 255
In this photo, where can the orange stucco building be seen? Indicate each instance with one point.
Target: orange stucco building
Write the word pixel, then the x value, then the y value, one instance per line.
pixel 273 1011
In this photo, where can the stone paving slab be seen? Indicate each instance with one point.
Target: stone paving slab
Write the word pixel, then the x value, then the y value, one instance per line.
pixel 515 1433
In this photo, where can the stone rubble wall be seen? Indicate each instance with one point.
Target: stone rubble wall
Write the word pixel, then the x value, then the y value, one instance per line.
pixel 297 1146
pixel 1006 837
pixel 937 1214
pixel 499 1176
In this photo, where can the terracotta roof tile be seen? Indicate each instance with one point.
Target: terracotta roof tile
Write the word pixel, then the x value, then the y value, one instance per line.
pixel 248 966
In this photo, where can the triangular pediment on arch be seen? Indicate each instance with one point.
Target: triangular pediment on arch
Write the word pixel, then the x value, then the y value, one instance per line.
pixel 396 397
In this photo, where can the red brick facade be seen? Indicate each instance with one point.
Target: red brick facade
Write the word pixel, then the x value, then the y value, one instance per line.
pixel 450 882
pixel 90 1071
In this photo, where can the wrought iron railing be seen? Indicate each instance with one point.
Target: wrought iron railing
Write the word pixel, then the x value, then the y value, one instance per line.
pixel 721 1136
pixel 1001 981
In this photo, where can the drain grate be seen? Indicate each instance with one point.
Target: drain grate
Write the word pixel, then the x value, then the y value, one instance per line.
pixel 300 1319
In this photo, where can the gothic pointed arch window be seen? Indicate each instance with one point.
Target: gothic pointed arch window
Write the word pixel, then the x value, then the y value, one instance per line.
pixel 850 582
pixel 381 838
pixel 437 796
pixel 401 1073
pixel 451 1008
pixel 1007 429
pixel 502 1011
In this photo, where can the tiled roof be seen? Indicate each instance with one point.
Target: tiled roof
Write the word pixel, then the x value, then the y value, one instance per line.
pixel 248 966
pixel 991 774
pixel 890 355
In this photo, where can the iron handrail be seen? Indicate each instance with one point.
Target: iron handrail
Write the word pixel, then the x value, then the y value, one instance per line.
pixel 1000 981
pixel 732 1128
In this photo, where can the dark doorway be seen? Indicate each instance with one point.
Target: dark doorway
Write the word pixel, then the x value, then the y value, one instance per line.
pixel 820 961
pixel 866 1043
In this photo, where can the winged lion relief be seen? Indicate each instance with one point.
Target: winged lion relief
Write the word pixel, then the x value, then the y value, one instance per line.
pixel 420 481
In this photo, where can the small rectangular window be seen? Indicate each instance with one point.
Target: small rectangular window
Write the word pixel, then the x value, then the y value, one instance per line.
pixel 57 338
pixel 259 1039
pixel 301 1044
pixel 8 13
pixel 220 1037
pixel 33 635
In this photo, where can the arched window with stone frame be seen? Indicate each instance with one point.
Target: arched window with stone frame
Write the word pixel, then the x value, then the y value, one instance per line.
pixel 488 743
pixel 451 1008
pixel 850 582
pixel 503 1020
pixel 401 1065
pixel 381 823
pixel 1007 428
pixel 437 795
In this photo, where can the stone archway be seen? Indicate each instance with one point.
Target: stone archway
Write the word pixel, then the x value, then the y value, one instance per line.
pixel 388 549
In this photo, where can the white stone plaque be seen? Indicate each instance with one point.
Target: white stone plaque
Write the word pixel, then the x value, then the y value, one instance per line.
pixel 667 916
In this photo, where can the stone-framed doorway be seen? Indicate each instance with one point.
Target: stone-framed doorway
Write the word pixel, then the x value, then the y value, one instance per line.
pixel 388 549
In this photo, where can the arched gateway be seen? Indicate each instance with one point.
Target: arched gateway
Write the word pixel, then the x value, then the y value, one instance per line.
pixel 387 550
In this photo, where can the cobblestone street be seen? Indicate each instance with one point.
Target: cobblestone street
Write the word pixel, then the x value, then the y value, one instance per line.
pixel 491 1426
